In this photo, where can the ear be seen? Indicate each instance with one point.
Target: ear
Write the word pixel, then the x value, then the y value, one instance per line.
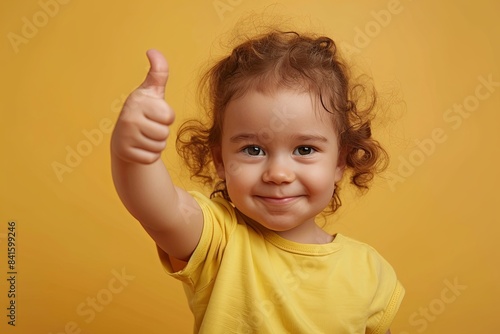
pixel 339 172
pixel 341 165
pixel 218 162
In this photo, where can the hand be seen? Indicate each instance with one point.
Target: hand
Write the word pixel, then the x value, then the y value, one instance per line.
pixel 142 129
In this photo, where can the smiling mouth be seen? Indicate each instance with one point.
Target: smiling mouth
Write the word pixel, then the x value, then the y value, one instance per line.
pixel 278 200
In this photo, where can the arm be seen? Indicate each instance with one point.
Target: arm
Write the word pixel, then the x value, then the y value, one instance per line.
pixel 169 214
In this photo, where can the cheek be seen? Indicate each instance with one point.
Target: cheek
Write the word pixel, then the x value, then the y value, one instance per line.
pixel 322 186
pixel 240 176
pixel 232 170
pixel 320 176
pixel 322 189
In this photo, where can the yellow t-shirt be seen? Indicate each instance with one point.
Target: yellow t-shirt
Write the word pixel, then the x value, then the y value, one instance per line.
pixel 245 279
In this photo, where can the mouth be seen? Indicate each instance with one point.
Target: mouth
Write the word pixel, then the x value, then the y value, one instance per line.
pixel 278 200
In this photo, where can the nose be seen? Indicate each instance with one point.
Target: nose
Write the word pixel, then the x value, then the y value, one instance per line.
pixel 278 171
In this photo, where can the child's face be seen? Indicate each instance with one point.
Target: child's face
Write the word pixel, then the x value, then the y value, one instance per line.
pixel 279 157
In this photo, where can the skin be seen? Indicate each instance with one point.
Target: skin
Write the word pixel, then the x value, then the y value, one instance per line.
pixel 280 171
pixel 281 184
pixel 140 177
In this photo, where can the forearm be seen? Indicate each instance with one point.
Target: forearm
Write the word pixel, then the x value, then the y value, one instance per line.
pixel 147 191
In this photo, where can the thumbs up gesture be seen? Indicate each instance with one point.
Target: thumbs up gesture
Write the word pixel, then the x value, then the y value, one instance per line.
pixel 142 128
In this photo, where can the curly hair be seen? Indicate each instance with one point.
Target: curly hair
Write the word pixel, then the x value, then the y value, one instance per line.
pixel 289 60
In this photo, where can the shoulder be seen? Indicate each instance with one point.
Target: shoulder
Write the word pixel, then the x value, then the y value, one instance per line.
pixel 368 259
pixel 358 248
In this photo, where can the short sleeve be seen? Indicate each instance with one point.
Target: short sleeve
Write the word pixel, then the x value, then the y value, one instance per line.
pixel 218 222
pixel 375 282
pixel 386 296
pixel 387 307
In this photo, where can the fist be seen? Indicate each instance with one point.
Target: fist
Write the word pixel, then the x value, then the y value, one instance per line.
pixel 142 128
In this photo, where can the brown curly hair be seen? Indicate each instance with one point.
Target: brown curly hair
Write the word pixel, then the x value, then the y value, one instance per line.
pixel 286 60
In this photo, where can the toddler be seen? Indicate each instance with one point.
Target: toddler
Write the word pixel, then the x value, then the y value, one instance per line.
pixel 285 127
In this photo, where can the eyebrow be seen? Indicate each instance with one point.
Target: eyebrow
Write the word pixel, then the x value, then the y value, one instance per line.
pixel 243 137
pixel 311 137
pixel 254 137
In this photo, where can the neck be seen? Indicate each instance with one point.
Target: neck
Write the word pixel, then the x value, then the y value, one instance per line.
pixel 306 233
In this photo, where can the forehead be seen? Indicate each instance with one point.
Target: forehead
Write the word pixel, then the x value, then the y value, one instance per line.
pixel 277 111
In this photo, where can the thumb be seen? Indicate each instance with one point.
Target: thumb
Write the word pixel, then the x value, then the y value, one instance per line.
pixel 157 77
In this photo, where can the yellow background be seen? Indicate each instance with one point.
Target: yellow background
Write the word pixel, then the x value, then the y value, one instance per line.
pixel 437 225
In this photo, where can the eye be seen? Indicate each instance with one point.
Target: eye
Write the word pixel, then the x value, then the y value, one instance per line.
pixel 304 150
pixel 253 150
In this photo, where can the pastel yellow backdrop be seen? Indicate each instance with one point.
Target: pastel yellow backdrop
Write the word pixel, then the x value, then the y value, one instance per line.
pixel 85 266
